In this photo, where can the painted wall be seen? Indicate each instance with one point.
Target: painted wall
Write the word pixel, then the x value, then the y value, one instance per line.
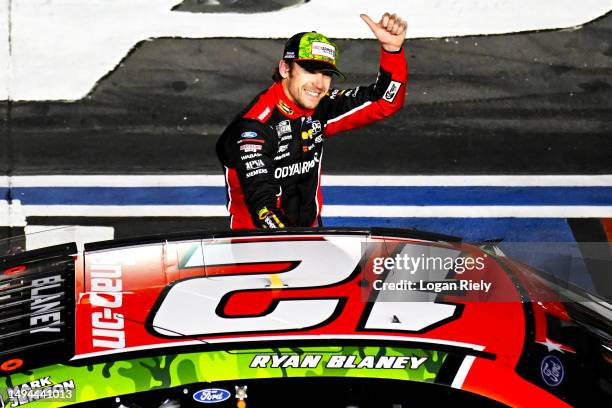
pixel 60 48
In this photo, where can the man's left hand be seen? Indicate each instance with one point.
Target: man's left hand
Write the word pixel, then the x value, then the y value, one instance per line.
pixel 390 31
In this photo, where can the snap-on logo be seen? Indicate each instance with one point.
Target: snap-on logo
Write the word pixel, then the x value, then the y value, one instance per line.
pixel 211 395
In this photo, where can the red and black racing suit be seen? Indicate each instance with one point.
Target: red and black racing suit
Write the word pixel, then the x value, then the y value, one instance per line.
pixel 272 151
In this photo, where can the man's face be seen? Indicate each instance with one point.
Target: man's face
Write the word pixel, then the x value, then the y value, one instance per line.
pixel 304 88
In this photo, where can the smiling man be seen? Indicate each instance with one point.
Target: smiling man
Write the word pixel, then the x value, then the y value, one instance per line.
pixel 272 152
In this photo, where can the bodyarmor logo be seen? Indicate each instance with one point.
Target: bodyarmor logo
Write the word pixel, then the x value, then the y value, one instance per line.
pixel 327 51
pixel 295 168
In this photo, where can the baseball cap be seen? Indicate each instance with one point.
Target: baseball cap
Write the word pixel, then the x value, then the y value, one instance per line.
pixel 313 52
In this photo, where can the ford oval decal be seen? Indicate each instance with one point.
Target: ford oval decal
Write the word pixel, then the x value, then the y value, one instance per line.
pixel 211 395
pixel 248 135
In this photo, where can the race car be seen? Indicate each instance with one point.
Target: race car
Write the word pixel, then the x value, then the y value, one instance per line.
pixel 328 317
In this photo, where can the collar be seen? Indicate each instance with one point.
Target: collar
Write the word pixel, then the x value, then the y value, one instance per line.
pixel 284 104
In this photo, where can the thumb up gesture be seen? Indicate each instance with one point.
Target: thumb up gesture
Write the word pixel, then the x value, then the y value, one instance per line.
pixel 390 31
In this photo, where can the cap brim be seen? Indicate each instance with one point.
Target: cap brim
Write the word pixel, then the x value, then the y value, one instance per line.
pixel 319 66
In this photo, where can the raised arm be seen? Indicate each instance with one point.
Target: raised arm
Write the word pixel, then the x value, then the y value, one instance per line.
pixel 351 108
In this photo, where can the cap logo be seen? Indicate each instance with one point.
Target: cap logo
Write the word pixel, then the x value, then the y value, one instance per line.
pixel 324 50
pixel 289 54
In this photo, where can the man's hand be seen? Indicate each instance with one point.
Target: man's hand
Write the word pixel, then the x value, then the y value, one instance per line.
pixel 390 31
pixel 273 218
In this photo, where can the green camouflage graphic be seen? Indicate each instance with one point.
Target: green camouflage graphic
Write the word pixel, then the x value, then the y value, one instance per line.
pixel 142 374
pixel 306 48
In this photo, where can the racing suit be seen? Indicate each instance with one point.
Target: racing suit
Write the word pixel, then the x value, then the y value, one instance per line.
pixel 272 152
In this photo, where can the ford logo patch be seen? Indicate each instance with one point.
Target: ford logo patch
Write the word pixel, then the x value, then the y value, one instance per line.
pixel 211 395
pixel 552 371
pixel 248 135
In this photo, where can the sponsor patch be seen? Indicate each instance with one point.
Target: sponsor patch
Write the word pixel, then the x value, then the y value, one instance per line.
pixel 319 139
pixel 289 54
pixel 264 114
pixel 293 169
pixel 282 156
pixel 282 148
pixel 256 172
pixel 248 135
pixel 106 299
pixel 392 91
pixel 552 370
pixel 254 164
pixel 284 107
pixel 250 156
pixel 283 128
pixel 324 50
pixel 241 392
pixel 211 395
pixel 286 137
pixel 316 126
pixel 250 148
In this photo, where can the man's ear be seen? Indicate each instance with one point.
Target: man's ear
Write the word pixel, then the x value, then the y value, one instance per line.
pixel 284 68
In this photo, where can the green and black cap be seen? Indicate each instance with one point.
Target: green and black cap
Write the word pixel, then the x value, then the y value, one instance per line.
pixel 314 52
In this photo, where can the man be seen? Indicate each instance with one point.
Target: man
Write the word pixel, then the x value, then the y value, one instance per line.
pixel 272 151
